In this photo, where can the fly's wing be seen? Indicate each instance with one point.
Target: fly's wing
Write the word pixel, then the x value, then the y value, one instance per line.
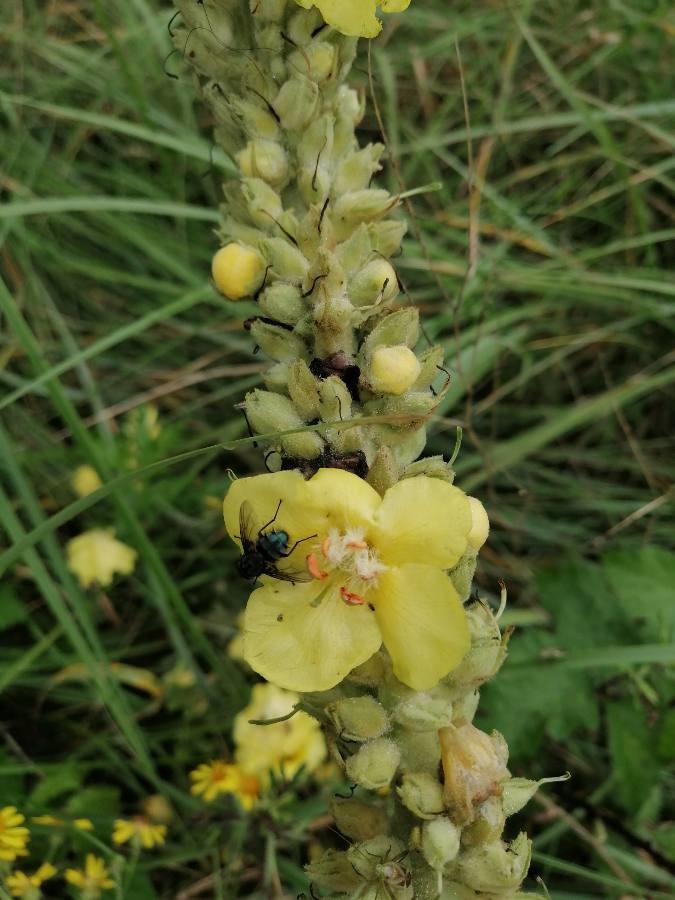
pixel 247 528
pixel 288 576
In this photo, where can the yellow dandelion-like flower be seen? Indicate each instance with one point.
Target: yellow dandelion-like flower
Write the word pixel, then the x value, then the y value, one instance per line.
pixel 13 835
pixel 95 556
pixel 93 878
pixel 140 831
pixel 355 17
pixel 376 570
pixel 85 481
pixel 19 884
pixel 83 824
pixel 281 748
pixel 217 777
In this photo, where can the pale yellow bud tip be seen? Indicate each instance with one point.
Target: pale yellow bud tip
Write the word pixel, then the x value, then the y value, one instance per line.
pixel 394 370
pixel 480 525
pixel 238 271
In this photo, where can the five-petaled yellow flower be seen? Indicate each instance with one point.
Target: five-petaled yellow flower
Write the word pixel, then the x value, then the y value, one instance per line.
pixel 96 556
pixel 26 886
pixel 282 748
pixel 374 573
pixel 217 777
pixel 355 17
pixel 93 879
pixel 13 835
pixel 140 831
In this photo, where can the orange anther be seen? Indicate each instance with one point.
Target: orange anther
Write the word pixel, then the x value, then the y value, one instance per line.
pixel 325 546
pixel 314 569
pixel 350 598
pixel 359 544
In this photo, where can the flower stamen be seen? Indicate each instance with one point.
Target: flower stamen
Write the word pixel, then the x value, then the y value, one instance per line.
pixel 350 598
pixel 313 567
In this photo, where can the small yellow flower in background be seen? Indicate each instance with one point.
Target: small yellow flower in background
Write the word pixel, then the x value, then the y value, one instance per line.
pixel 85 481
pixel 158 809
pixel 95 556
pixel 50 821
pixel 144 422
pixel 374 573
pixel 83 824
pixel 282 748
pixel 355 17
pixel 217 777
pixel 93 879
pixel 14 836
pixel 140 831
pixel 26 886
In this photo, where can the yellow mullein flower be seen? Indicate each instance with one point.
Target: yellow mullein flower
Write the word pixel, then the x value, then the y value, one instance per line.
pixel 95 556
pixel 93 879
pixel 26 886
pixel 281 748
pixel 355 17
pixel 140 831
pixel 217 777
pixel 83 824
pixel 85 481
pixel 374 573
pixel 13 835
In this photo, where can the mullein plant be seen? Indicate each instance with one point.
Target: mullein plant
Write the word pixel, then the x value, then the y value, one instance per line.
pixel 365 552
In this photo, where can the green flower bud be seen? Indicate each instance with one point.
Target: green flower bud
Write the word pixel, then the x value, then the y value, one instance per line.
pixel 237 271
pixel 276 342
pixel 282 302
pixel 333 872
pixel 315 156
pixel 392 370
pixel 430 362
pixel 350 104
pixel 373 672
pixel 400 327
pixel 303 390
pixel 488 824
pixel 302 24
pixel 433 467
pixel 384 472
pixel 374 764
pixel 440 842
pixel 276 378
pixel 270 413
pixel 288 262
pixel 420 751
pixel 357 820
pixel 266 11
pixel 421 793
pixel 317 61
pixel 355 252
pixel 517 792
pixel 356 170
pixel 297 103
pixel 363 206
pixel 264 159
pixel 336 401
pixel 425 711
pixel 262 202
pixel 368 857
pixel 332 318
pixel 359 718
pixel 376 283
pixel 488 648
pixel 464 708
pixel 387 236
pixel 495 868
pixel 462 574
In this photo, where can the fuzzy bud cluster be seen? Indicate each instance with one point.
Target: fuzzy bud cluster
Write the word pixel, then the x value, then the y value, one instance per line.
pixel 308 240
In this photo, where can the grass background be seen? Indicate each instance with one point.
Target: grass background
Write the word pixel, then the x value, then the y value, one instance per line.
pixel 543 264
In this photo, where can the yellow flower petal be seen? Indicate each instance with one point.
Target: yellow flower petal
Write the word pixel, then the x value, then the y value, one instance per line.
pixel 305 647
pixel 423 520
pixel 263 493
pixel 95 556
pixel 394 6
pixel 353 17
pixel 423 624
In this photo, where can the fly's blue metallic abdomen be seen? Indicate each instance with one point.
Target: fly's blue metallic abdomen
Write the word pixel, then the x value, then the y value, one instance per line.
pixel 273 544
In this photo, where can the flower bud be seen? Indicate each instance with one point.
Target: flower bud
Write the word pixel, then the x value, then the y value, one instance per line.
pixel 474 765
pixel 430 362
pixel 333 872
pixel 268 413
pixel 420 751
pixel 357 820
pixel 440 842
pixel 480 525
pixel 488 823
pixel 393 370
pixel 400 327
pixel 238 271
pixel 266 11
pixel 358 718
pixel 303 390
pixel 282 302
pixel 356 170
pixel 257 121
pixel 462 575
pixel 350 104
pixel 488 647
pixel 375 283
pixel 288 262
pixel 421 793
pixel 425 711
pixel 495 868
pixel 336 401
pixel 517 792
pixel 297 103
pixel 363 206
pixel 433 467
pixel 464 709
pixel 262 202
pixel 387 236
pixel 276 342
pixel 317 60
pixel 264 159
pixel 384 472
pixel 374 764
pixel 368 857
